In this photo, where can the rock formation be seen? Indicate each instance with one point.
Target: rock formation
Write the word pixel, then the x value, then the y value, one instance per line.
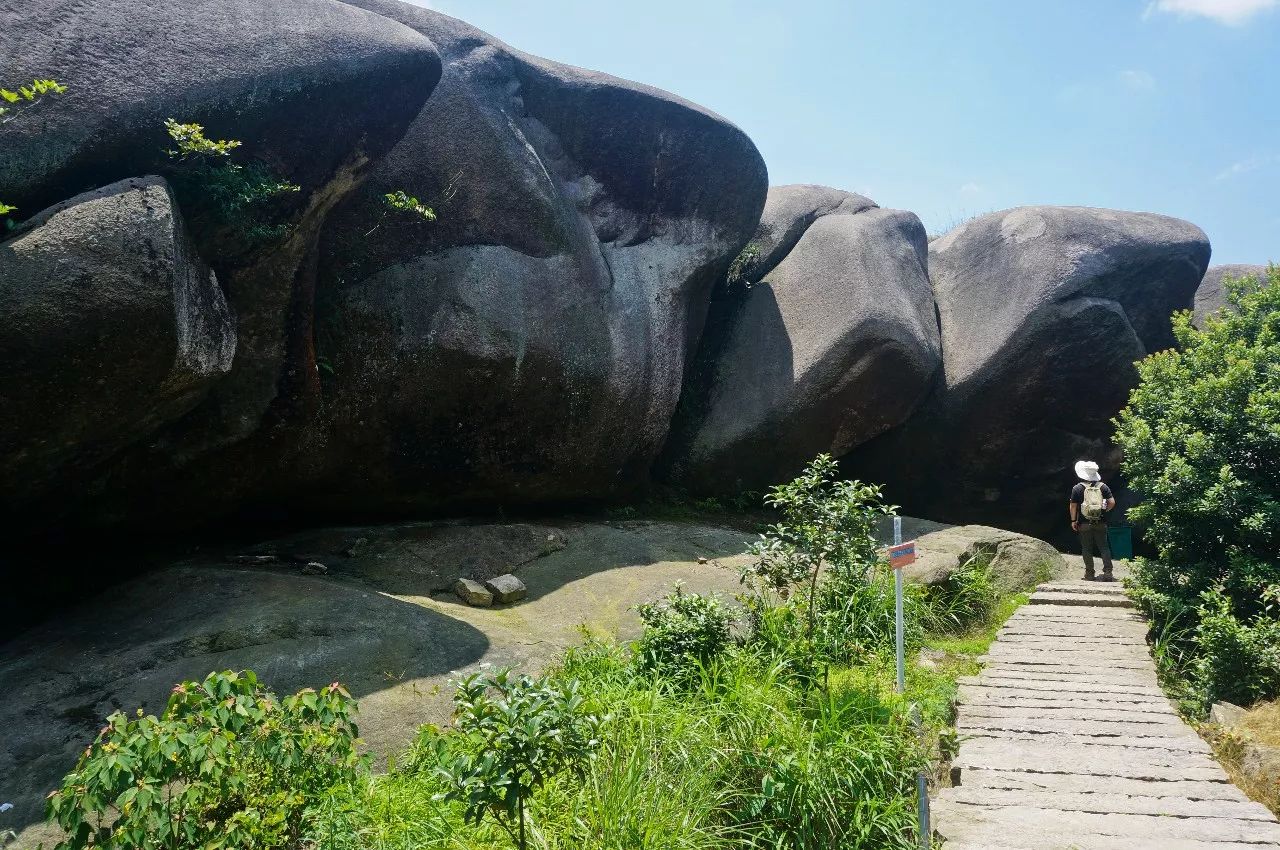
pixel 1211 297
pixel 1043 312
pixel 528 345
pixel 542 340
pixel 112 327
pixel 828 339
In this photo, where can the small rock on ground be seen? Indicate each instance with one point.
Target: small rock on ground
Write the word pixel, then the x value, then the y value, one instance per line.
pixel 473 592
pixel 507 588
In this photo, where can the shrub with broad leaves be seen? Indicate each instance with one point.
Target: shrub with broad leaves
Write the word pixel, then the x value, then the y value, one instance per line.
pixel 228 765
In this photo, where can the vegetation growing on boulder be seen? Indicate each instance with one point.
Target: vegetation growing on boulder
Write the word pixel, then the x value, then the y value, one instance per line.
pixel 1201 436
pixel 223 194
pixel 738 268
pixel 13 103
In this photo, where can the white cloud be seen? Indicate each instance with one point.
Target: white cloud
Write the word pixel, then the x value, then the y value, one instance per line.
pixel 1138 80
pixel 1230 12
pixel 972 188
pixel 1244 166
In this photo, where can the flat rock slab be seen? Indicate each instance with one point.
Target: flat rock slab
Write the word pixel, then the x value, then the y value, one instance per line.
pixel 1021 780
pixel 1067 741
pixel 1174 806
pixel 1030 826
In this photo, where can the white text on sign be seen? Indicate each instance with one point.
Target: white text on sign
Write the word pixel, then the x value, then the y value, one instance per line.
pixel 902 554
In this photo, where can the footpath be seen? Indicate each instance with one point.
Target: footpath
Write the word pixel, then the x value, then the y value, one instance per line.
pixel 1068 742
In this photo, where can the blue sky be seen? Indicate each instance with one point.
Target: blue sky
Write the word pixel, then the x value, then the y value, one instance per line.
pixel 952 108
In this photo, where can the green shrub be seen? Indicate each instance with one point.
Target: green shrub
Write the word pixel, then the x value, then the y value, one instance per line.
pixel 1236 660
pixel 682 631
pixel 227 766
pixel 738 268
pixel 1201 436
pixel 824 562
pixel 516 733
pixel 221 194
pixel 968 597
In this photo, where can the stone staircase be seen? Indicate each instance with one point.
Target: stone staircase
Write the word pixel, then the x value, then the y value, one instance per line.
pixel 1068 743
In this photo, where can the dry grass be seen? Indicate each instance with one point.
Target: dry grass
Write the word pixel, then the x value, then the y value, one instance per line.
pixel 1260 725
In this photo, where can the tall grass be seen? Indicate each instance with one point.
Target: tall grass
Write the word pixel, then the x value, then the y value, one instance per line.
pixel 741 754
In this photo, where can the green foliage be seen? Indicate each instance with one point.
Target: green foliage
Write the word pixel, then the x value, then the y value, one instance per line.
pixel 26 96
pixel 222 194
pixel 402 202
pixel 1201 436
pixel 517 732
pixel 827 523
pixel 1236 660
pixel 969 596
pixel 738 267
pixel 228 766
pixel 192 141
pixel 13 103
pixel 682 632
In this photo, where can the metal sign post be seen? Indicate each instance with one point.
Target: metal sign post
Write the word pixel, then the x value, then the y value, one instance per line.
pixel 900 555
pixel 899 633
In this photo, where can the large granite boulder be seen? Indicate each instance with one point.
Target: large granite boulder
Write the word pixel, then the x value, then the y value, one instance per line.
pixel 1043 312
pixel 110 328
pixel 1211 297
pixel 531 343
pixel 304 83
pixel 834 342
pixel 316 90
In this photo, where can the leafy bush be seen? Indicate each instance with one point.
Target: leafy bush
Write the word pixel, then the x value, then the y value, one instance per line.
pixel 223 194
pixel 828 523
pixel 737 268
pixel 228 766
pixel 1236 660
pixel 1201 436
pixel 401 201
pixel 517 732
pixel 682 631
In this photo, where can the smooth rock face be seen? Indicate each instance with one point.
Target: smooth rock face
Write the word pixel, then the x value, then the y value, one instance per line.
pixel 835 343
pixel 1211 297
pixel 1043 311
pixel 529 344
pixel 1018 561
pixel 110 328
pixel 269 74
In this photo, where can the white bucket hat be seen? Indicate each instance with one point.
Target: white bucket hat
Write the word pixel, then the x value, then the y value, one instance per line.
pixel 1087 470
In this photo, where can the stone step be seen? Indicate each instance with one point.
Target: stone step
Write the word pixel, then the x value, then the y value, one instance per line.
pixel 1095 600
pixel 1034 827
pixel 1110 803
pixel 1113 588
pixel 1025 780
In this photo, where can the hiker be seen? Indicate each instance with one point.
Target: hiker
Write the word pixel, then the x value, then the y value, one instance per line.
pixel 1090 501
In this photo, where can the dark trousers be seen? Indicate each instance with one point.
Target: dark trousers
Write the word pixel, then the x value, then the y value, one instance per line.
pixel 1095 534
